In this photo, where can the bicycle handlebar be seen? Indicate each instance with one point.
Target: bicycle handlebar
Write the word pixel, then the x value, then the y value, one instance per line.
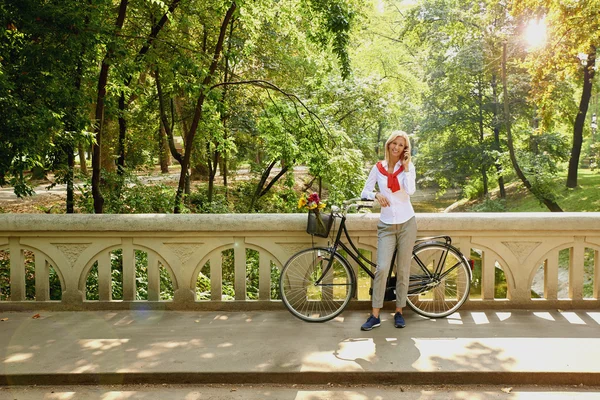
pixel 357 203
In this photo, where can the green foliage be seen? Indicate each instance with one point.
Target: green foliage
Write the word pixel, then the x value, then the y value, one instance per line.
pixel 141 278
pixel 4 275
pixel 228 277
pixel 588 271
pixel 491 205
pixel 595 156
pixel 500 285
pixel 473 188
pixel 344 176
pixel 584 198
pixel 540 162
pixel 252 273
pixel 198 202
pixel 431 68
pixel 127 194
pixel 573 30
pixel 42 57
pixel 203 289
pixel 334 19
pixel 283 200
pixel 54 285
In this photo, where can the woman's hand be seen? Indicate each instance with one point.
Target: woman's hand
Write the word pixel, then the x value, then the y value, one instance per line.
pixel 405 163
pixel 383 201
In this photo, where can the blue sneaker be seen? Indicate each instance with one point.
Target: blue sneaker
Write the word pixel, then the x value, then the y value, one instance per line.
pixel 371 323
pixel 399 320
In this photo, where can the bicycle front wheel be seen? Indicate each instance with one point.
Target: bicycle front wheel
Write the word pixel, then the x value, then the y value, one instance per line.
pixel 440 280
pixel 316 284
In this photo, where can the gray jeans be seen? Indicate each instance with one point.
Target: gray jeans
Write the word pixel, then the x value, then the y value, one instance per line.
pixel 390 237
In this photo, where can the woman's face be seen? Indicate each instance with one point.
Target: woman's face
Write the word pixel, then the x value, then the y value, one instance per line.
pixel 396 147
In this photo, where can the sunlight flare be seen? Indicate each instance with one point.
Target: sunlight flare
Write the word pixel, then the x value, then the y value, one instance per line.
pixel 535 33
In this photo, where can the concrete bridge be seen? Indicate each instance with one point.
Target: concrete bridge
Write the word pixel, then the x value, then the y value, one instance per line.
pixel 528 248
pixel 514 341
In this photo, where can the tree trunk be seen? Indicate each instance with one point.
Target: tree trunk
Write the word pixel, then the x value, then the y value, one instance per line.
pixel 497 137
pixel 168 127
pixel 82 160
pixel 483 168
pixel 122 134
pixel 588 78
pixel 379 133
pixel 96 153
pixel 189 138
pixel 70 188
pixel 212 170
pixel 97 146
pixel 123 102
pixel 223 169
pixel 224 114
pixel 262 187
pixel 163 150
pixel 552 206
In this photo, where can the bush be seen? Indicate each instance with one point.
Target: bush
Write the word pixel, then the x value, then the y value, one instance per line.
pixel 127 194
pixel 491 205
pixel 198 202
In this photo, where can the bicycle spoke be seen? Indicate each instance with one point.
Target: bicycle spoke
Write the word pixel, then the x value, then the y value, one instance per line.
pixel 316 285
pixel 444 287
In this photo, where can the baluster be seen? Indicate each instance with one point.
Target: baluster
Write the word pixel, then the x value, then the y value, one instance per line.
pixel 551 276
pixel 129 272
pixel 488 277
pixel 264 276
pixel 104 276
pixel 153 278
pixel 576 269
pixel 17 271
pixel 42 271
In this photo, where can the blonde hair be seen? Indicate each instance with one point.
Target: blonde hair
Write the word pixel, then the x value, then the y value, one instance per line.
pixel 393 136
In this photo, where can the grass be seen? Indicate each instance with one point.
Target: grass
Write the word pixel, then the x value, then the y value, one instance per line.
pixel 584 198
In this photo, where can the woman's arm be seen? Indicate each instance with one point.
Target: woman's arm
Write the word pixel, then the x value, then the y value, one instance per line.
pixel 408 180
pixel 368 191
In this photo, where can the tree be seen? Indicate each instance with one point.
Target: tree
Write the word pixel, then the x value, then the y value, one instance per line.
pixel 99 113
pixel 45 52
pixel 456 42
pixel 545 199
pixel 573 31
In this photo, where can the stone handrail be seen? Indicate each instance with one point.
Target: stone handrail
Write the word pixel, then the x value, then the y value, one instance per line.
pixel 522 245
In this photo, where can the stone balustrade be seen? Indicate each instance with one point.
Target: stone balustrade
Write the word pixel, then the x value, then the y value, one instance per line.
pixel 552 254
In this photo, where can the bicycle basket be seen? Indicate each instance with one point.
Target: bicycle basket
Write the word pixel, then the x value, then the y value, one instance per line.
pixel 316 228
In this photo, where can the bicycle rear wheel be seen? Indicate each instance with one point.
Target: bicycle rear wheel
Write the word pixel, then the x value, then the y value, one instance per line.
pixel 440 280
pixel 313 290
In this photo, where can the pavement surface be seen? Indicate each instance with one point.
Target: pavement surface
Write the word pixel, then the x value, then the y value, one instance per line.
pixel 294 392
pixel 274 348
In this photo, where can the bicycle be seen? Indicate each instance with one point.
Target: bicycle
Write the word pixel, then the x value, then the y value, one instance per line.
pixel 317 283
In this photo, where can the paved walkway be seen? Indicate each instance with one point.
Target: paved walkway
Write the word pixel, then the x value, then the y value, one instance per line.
pixel 273 347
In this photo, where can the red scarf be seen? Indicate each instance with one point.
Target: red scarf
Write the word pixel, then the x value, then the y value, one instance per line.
pixel 392 179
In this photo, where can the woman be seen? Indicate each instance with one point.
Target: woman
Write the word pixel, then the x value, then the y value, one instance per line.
pixel 397 227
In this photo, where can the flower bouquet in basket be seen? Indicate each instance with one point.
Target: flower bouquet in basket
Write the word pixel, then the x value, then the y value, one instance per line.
pixel 318 224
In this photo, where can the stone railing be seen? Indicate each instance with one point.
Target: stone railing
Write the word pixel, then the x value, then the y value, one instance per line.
pixel 553 254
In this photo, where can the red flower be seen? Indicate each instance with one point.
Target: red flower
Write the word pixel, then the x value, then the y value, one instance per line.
pixel 314 198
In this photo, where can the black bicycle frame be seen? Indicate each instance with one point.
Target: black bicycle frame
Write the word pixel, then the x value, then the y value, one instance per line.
pixel 417 283
pixel 351 251
pixel 437 275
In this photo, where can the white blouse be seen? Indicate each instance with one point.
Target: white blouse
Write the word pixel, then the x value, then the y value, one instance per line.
pixel 400 209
